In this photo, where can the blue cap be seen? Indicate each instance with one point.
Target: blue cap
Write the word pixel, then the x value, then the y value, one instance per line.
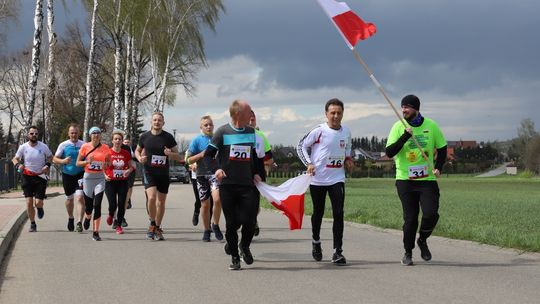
pixel 94 130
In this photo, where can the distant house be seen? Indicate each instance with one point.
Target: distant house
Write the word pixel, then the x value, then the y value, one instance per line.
pixel 289 152
pixel 378 159
pixel 455 144
pixel 511 169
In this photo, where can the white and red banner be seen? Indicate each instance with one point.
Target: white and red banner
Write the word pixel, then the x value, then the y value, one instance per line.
pixel 288 197
pixel 351 27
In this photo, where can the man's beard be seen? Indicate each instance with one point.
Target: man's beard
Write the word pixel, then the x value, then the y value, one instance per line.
pixel 33 140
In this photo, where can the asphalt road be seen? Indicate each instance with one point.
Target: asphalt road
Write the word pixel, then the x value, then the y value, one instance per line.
pixel 57 266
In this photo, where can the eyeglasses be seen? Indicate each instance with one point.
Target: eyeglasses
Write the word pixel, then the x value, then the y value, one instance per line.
pixel 33 133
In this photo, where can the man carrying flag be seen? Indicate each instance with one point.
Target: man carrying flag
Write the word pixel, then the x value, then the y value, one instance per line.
pixel 416 186
pixel 330 145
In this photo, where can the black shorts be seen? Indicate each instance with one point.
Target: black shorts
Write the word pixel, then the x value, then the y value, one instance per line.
pixel 161 182
pixel 71 183
pixel 206 184
pixel 131 179
pixel 33 186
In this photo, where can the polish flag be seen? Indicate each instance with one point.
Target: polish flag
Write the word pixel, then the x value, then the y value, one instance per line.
pixel 351 27
pixel 288 197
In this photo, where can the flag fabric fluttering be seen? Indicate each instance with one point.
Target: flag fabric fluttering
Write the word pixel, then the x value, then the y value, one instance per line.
pixel 288 197
pixel 351 27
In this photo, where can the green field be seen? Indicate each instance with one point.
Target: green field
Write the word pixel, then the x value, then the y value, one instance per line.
pixel 502 211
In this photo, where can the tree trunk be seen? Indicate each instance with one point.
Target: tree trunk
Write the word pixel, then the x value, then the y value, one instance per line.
pixel 34 73
pixel 117 123
pixel 128 85
pixel 51 78
pixel 90 71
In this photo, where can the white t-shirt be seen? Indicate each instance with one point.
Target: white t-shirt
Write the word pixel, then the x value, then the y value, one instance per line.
pixel 34 158
pixel 329 148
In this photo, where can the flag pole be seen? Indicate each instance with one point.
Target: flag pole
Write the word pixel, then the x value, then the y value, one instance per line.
pixel 381 90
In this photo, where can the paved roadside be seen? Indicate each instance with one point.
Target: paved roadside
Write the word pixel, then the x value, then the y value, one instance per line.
pixel 56 266
pixel 13 215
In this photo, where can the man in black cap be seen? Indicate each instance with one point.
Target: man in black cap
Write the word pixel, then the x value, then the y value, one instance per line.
pixel 416 173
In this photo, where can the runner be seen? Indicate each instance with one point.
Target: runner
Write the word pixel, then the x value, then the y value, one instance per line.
pixel 153 151
pixel 33 160
pixel 330 145
pixel 206 181
pixel 66 155
pixel 267 163
pixel 116 185
pixel 94 157
pixel 131 178
pixel 416 186
pixel 236 144
pixel 197 204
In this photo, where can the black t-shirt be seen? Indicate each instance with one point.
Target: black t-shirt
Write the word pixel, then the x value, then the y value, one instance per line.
pixel 237 153
pixel 157 162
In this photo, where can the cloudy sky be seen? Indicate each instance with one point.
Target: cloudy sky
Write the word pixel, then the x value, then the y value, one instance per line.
pixel 474 65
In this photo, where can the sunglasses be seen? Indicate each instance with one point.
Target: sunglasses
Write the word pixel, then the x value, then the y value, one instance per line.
pixel 33 133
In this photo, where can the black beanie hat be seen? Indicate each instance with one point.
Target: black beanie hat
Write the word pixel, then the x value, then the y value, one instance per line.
pixel 411 101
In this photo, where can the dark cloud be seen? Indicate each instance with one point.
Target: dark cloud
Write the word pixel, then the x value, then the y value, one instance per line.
pixel 453 46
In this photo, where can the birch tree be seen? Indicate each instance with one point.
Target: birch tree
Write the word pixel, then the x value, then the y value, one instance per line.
pixel 34 73
pixel 51 77
pixel 176 43
pixel 90 69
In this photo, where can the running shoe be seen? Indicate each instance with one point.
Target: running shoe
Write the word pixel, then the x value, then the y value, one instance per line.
pixel 71 225
pixel 158 236
pixel 257 230
pixel 151 232
pixel 33 227
pixel 246 255
pixel 109 220
pixel 195 219
pixel 206 236
pixel 115 224
pixel 407 259
pixel 86 223
pixel 217 232
pixel 338 258
pixel 124 223
pixel 227 249
pixel 79 227
pixel 425 254
pixel 95 236
pixel 316 252
pixel 40 213
pixel 119 230
pixel 235 263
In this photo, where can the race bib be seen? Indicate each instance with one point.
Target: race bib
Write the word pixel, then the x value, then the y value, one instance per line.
pixel 335 161
pixel 418 171
pixel 95 166
pixel 118 173
pixel 240 153
pixel 158 160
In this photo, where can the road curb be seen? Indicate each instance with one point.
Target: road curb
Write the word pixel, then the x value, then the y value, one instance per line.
pixel 9 233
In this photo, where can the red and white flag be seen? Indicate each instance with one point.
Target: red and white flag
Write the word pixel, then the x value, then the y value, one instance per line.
pixel 351 27
pixel 288 197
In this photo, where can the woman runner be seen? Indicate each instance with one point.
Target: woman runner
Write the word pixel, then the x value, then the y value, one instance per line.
pixel 94 157
pixel 116 175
